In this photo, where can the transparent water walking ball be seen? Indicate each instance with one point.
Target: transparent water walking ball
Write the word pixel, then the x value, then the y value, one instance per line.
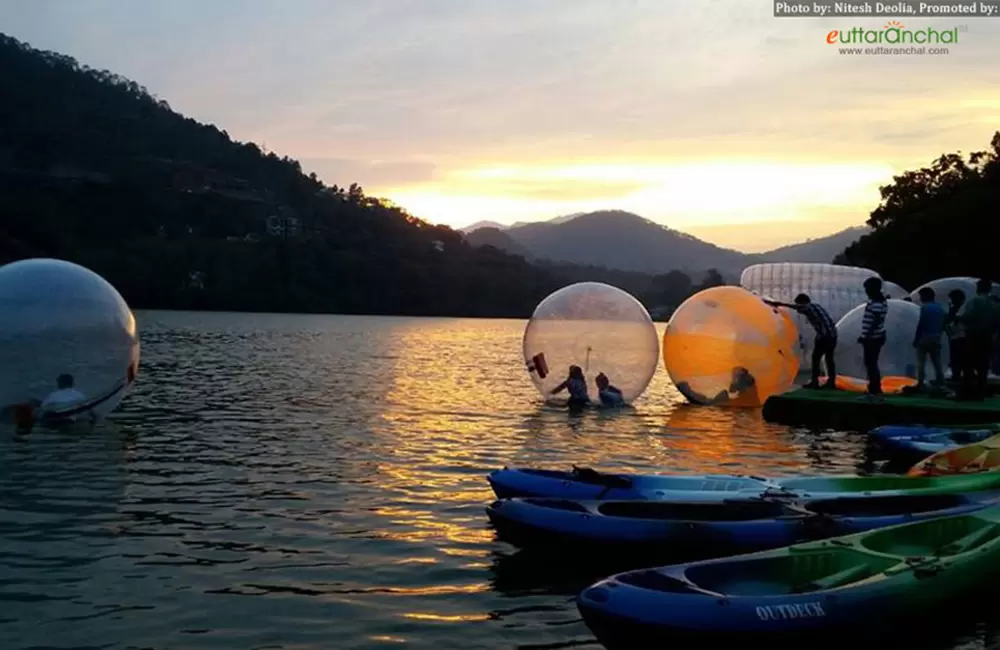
pixel 598 328
pixel 68 342
pixel 725 346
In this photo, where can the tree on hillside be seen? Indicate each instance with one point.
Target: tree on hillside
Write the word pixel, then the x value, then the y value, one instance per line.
pixel 712 279
pixel 96 170
pixel 671 289
pixel 937 221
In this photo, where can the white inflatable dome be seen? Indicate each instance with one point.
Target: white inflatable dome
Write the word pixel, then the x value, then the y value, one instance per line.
pixel 838 289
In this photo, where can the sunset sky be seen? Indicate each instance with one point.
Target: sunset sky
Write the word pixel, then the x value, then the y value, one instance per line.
pixel 710 116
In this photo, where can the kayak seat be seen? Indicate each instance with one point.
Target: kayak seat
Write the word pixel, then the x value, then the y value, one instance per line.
pixel 965 437
pixel 556 504
pixel 883 506
pixel 656 581
pixel 839 579
pixel 593 477
pixel 968 542
pixel 729 510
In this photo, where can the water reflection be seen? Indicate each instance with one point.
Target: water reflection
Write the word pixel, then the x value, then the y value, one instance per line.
pixel 276 480
pixel 61 494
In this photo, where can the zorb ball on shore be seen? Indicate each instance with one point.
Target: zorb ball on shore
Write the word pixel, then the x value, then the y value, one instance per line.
pixel 68 343
pixel 725 346
pixel 597 327
pixel 898 358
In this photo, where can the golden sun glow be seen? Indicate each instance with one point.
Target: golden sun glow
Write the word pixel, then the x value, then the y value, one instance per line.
pixel 694 194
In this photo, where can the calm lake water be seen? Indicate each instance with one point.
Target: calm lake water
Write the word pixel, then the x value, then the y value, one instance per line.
pixel 307 482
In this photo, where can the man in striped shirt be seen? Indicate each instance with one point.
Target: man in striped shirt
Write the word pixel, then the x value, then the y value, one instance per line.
pixel 826 337
pixel 873 334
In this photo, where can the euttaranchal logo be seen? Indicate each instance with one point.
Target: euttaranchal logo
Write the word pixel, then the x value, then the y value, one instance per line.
pixel 894 33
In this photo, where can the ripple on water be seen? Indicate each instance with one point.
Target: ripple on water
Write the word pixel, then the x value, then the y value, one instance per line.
pixel 308 482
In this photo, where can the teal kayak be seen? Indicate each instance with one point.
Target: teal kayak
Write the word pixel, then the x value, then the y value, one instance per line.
pixel 856 582
pixel 587 484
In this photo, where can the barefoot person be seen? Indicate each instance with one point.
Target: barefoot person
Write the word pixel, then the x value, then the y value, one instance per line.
pixel 826 337
pixel 872 337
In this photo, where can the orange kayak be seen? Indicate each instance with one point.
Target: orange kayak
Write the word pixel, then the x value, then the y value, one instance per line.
pixel 977 457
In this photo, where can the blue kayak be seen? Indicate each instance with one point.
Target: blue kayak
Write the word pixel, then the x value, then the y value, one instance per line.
pixel 858 582
pixel 931 443
pixel 732 525
pixel 888 431
pixel 586 483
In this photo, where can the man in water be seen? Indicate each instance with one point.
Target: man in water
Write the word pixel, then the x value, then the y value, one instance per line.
pixel 826 337
pixel 927 338
pixel 608 394
pixel 872 337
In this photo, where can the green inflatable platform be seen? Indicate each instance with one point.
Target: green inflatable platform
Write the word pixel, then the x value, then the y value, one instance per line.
pixel 846 410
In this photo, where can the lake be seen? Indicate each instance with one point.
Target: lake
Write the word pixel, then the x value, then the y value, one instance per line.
pixel 307 482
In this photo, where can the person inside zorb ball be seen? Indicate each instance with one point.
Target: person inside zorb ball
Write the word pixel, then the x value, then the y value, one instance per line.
pixel 68 341
pixel 591 344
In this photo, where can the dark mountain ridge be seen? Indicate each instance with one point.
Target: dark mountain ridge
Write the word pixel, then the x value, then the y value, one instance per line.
pixel 622 240
pixel 625 241
pixel 94 169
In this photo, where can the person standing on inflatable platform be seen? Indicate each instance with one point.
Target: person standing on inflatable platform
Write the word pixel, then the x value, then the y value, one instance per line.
pixel 956 335
pixel 978 315
pixel 872 337
pixel 927 338
pixel 826 337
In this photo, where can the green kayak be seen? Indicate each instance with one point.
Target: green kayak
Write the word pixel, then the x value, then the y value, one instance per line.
pixel 886 484
pixel 854 582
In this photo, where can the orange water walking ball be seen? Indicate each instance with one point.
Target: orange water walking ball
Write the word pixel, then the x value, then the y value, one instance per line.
pixel 725 346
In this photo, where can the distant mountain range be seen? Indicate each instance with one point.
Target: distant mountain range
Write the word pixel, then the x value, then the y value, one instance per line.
pixel 820 249
pixel 622 240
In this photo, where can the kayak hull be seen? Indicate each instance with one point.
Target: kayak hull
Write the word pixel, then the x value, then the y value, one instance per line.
pixel 590 485
pixel 582 525
pixel 660 527
pixel 529 482
pixel 863 580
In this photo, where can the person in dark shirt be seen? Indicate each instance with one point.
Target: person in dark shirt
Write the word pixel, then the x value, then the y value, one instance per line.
pixel 826 337
pixel 927 338
pixel 872 337
pixel 978 315
pixel 956 335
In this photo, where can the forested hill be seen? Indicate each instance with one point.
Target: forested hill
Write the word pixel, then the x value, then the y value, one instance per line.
pixel 938 221
pixel 174 213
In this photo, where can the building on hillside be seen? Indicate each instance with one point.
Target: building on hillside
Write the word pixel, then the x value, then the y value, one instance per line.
pixel 282 225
